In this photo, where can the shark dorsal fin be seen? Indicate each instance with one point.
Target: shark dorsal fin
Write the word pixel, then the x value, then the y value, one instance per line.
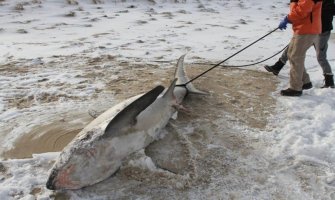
pixel 127 117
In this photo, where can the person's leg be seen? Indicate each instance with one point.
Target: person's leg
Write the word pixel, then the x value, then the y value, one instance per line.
pixel 275 69
pixel 321 49
pixel 296 53
pixel 284 57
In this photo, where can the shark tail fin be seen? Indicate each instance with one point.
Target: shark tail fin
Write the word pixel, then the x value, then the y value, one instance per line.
pixel 182 77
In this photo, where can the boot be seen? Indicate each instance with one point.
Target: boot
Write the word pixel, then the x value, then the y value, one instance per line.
pixel 290 92
pixel 307 86
pixel 275 69
pixel 329 81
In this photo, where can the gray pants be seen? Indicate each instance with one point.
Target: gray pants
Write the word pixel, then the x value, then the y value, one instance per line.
pixel 296 55
pixel 322 53
pixel 321 50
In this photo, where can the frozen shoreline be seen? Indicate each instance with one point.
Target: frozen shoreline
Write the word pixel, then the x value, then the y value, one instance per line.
pixel 58 61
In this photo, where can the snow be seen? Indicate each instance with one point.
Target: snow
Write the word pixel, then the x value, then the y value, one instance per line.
pixel 311 118
pixel 297 157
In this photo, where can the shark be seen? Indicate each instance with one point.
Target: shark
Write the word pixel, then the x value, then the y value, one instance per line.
pixel 98 150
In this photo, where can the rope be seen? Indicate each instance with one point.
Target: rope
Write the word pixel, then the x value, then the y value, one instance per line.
pixel 246 65
pixel 216 65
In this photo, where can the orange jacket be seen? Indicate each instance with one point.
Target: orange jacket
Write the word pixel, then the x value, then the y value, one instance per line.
pixel 305 16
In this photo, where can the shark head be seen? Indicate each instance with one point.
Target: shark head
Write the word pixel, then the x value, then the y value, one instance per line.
pixel 78 167
pixel 84 167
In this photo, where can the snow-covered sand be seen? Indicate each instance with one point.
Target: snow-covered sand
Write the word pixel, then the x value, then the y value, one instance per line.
pixel 60 60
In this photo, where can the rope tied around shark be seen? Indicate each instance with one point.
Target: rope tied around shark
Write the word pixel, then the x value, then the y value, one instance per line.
pixel 218 64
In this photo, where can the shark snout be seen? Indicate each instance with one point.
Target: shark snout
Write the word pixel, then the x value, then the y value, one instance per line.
pixel 51 180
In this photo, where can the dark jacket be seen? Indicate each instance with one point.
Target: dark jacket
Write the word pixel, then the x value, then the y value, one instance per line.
pixel 327 15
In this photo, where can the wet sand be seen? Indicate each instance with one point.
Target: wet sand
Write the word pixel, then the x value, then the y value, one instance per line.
pixel 52 137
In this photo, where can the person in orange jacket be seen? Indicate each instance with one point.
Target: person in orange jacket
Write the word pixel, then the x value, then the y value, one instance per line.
pixel 305 17
pixel 327 14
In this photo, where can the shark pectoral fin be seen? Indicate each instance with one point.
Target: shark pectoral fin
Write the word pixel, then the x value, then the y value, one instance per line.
pixel 126 118
pixel 179 159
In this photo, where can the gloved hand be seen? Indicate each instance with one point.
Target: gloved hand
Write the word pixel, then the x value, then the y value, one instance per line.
pixel 283 23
